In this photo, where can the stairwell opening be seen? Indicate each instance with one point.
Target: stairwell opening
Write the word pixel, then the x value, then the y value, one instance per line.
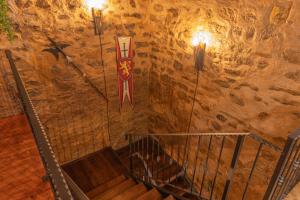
pixel 247 93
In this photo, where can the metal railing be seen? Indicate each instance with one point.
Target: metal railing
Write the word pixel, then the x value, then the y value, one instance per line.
pixel 54 173
pixel 183 161
pixel 287 172
pixel 201 159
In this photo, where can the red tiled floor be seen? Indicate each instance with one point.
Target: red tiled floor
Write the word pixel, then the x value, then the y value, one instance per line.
pixel 21 168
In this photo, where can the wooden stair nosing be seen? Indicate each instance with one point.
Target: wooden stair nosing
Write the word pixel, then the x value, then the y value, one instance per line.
pixel 106 186
pixel 116 190
pixel 132 193
pixel 151 195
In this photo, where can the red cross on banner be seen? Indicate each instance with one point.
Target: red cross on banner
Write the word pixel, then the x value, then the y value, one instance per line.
pixel 125 66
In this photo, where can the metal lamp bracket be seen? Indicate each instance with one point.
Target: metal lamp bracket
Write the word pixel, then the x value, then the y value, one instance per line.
pixel 97 17
pixel 199 52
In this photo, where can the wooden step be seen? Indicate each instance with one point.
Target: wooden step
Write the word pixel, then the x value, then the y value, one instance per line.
pixel 167 173
pixel 174 190
pixel 116 190
pixel 106 186
pixel 150 195
pixel 132 193
pixel 169 198
pixel 93 170
pixel 113 158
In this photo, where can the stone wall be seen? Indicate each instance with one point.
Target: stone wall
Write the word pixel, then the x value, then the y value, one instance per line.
pixel 73 113
pixel 250 81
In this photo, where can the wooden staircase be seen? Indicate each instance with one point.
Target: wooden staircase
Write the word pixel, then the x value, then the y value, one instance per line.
pixel 102 176
pixel 122 188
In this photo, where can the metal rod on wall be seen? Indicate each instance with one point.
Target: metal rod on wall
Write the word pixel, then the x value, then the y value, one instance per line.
pixel 199 52
pixel 98 25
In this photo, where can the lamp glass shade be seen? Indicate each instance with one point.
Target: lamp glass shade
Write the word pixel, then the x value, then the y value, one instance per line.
pixel 202 37
pixel 97 4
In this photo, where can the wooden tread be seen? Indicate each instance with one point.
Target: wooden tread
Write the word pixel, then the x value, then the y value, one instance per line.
pixel 116 190
pixel 132 193
pixel 94 169
pixel 150 195
pixel 106 186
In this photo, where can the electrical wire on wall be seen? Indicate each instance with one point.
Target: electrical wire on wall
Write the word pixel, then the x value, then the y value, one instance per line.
pixel 99 26
pixel 199 53
pixel 187 142
pixel 193 104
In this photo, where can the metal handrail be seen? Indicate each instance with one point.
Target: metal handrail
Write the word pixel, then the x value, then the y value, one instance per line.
pixel 151 150
pixel 252 135
pixel 53 170
pixel 265 142
pixel 185 134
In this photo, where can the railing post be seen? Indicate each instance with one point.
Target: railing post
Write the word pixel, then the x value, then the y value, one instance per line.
pixel 278 178
pixel 130 154
pixel 234 161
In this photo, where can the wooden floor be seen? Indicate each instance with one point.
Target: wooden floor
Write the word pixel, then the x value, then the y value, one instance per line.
pixel 95 169
pixel 21 169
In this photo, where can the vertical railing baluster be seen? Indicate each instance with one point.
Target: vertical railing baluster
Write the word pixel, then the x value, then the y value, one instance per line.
pixel 138 153
pixel 137 160
pixel 217 168
pixel 288 173
pixel 196 160
pixel 142 155
pixel 147 159
pixel 296 166
pixel 186 158
pixel 185 147
pixel 130 154
pixel 134 154
pixel 252 170
pixel 164 162
pixel 152 157
pixel 205 166
pixel 177 163
pixel 157 158
pixel 277 177
pixel 234 161
pixel 171 160
pixel 185 152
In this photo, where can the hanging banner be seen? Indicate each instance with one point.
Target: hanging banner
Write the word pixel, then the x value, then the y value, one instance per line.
pixel 125 66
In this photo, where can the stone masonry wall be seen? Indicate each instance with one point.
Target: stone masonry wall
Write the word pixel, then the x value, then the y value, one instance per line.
pixel 73 114
pixel 250 81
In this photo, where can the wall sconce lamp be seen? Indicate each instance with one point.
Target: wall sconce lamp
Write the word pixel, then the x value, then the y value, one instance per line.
pixel 96 6
pixel 200 41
